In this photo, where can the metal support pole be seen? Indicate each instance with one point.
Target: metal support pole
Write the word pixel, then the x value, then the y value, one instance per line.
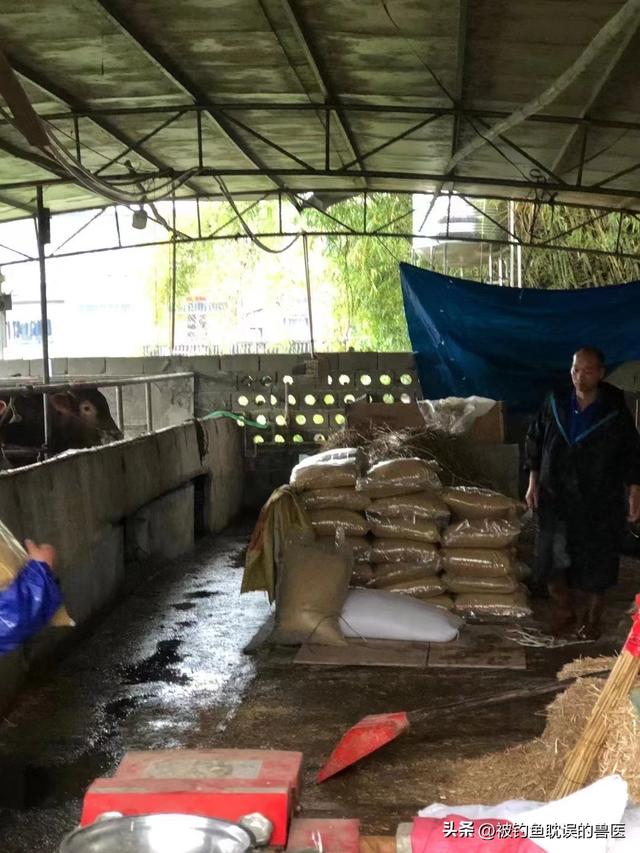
pixel 43 235
pixel 199 132
pixel 512 258
pixel 173 278
pixel 147 406
pixel 119 408
pixel 327 140
pixel 307 276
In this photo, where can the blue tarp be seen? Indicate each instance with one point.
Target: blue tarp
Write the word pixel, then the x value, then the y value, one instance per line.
pixel 511 344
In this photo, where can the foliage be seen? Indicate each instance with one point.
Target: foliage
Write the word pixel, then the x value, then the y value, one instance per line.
pixel 226 272
pixel 356 294
pixel 367 307
pixel 580 228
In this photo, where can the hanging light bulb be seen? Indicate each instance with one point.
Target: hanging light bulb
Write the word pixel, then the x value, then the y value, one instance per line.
pixel 139 219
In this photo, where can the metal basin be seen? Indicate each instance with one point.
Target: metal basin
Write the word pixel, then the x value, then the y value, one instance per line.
pixel 166 833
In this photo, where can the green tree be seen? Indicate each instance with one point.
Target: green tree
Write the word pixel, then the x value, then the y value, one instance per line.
pixel 235 273
pixel 368 311
pixel 578 228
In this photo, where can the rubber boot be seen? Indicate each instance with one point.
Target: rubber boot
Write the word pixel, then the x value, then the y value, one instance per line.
pixel 563 617
pixel 591 628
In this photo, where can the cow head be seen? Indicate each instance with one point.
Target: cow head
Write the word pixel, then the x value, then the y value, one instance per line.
pixel 94 410
pixel 69 428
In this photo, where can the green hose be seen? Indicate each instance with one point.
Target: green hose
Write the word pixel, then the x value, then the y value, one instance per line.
pixel 239 418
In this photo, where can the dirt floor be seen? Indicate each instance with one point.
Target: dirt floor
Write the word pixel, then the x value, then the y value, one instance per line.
pixel 165 669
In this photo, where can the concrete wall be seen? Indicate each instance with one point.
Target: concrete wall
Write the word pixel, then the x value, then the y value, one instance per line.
pixel 258 386
pixel 136 495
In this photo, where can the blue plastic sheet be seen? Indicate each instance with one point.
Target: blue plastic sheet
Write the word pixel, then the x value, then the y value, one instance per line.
pixel 511 344
pixel 27 605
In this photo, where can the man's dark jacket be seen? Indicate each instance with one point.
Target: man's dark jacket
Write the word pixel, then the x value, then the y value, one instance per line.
pixel 582 486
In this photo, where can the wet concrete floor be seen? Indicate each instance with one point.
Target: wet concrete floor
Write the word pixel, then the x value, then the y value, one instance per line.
pixel 165 669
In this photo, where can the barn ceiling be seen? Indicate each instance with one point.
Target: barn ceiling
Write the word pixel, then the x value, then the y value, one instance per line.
pixel 292 96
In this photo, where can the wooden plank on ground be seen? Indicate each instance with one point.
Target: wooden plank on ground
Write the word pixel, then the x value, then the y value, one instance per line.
pixel 365 653
pixel 483 656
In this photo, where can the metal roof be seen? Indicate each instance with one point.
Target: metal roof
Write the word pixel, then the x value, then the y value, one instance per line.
pixel 293 96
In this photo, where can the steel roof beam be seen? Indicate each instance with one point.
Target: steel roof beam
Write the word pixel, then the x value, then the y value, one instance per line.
pixel 37 160
pixel 458 88
pixel 181 80
pixel 517 185
pixel 321 77
pixel 454 237
pixel 339 190
pixel 560 162
pixel 389 109
pixel 37 78
pixel 18 205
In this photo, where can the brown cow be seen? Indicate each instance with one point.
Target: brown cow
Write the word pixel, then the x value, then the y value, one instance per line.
pixel 78 418
pixel 94 410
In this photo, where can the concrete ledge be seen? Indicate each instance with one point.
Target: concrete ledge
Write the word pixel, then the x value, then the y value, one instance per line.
pixel 163 529
pixel 82 502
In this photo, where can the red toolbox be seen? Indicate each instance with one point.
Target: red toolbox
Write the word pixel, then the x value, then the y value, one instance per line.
pixel 222 783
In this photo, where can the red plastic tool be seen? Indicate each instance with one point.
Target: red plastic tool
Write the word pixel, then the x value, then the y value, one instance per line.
pixel 377 730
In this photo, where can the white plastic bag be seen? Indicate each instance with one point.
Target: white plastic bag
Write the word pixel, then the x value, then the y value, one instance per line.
pixel 454 415
pixel 378 615
pixel 631 841
pixel 602 804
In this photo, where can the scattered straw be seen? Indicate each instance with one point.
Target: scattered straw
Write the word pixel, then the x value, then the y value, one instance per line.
pixel 531 771
pixel 452 453
pixel 585 666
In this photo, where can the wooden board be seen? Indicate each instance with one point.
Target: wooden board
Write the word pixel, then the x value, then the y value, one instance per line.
pixel 366 653
pixel 483 656
pixel 377 844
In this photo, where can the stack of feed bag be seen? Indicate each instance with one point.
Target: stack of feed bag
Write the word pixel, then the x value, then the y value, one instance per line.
pixel 406 516
pixel 478 557
pixel 327 486
pixel 453 547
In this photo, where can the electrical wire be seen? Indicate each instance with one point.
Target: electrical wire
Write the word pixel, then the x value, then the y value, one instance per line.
pixel 498 150
pixel 424 64
pixel 61 156
pixel 72 138
pixel 57 152
pixel 246 228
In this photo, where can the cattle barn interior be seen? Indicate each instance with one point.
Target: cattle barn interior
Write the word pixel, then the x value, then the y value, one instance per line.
pixel 147 474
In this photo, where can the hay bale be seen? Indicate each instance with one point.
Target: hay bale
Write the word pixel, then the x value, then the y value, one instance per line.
pixel 585 666
pixel 452 453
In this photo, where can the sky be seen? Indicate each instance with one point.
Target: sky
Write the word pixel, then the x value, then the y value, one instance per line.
pixel 99 303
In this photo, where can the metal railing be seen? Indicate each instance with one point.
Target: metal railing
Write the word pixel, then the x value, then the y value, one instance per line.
pixel 22 387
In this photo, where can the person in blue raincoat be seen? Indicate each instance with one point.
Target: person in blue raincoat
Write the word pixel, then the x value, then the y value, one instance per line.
pixel 583 458
pixel 31 600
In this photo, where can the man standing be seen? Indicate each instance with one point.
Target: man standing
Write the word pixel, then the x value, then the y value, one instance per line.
pixel 581 451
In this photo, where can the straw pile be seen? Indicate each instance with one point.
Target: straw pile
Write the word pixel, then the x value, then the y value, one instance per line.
pixel 450 452
pixel 531 771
